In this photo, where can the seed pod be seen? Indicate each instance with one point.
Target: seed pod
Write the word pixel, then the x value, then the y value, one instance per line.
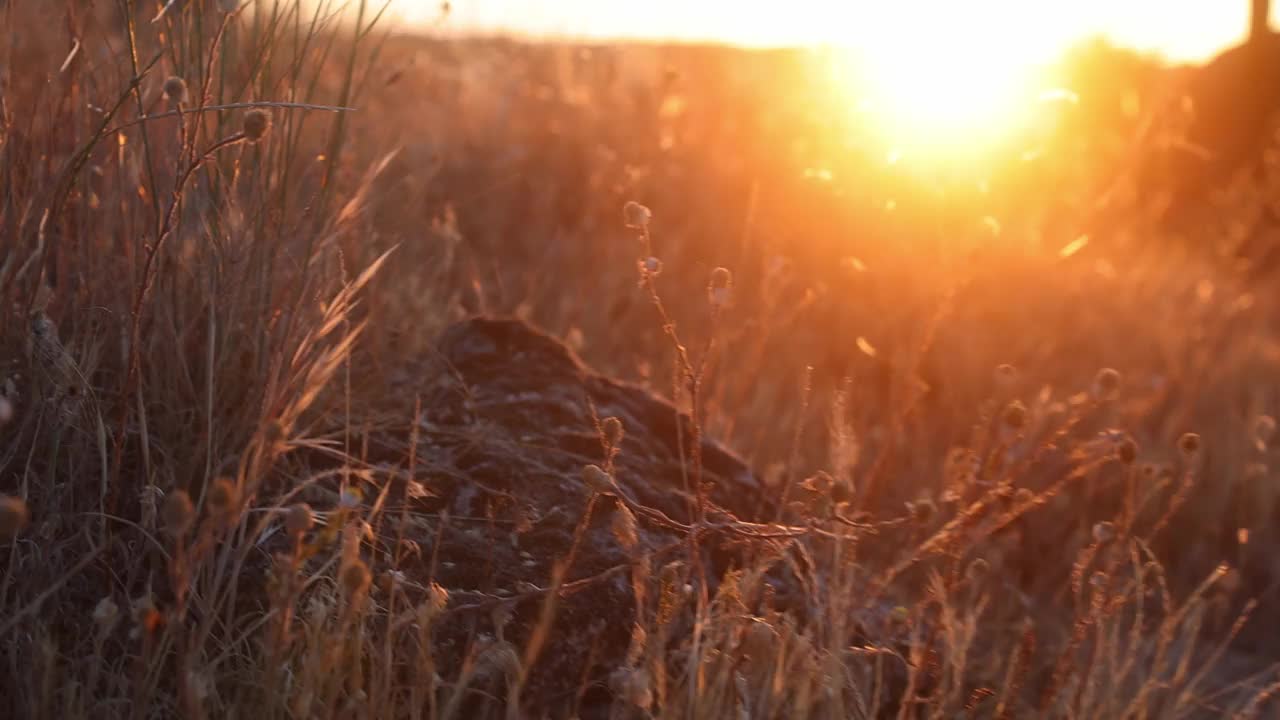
pixel 1127 451
pixel 175 88
pixel 1189 444
pixel 977 571
pixel 256 124
pixel 719 287
pixel 597 479
pixel 14 516
pixel 355 577
pixel 613 431
pixel 224 498
pixel 298 519
pixel 1104 532
pixel 636 215
pixel 178 513
pixel 1106 384
pixel 1015 415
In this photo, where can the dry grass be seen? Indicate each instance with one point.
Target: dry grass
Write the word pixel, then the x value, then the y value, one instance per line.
pixel 222 287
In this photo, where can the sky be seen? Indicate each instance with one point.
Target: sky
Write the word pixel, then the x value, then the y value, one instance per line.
pixel 1183 30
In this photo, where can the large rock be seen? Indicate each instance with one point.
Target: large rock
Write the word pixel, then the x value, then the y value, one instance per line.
pixel 505 431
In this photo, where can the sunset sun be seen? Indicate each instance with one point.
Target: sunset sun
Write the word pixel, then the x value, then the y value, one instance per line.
pixel 946 86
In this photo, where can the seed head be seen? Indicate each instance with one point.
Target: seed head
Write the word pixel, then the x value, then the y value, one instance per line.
pixel 438 597
pixel 105 614
pixel 613 431
pixel 178 513
pixel 1015 415
pixel 922 510
pixel 1264 427
pixel 625 529
pixel 978 570
pixel 820 482
pixel 636 215
pixel 356 577
pixel 900 615
pixel 1127 451
pixel 175 88
pixel 14 516
pixel 719 287
pixel 224 497
pixel 1189 444
pixel 256 124
pixel 1106 384
pixel 597 479
pixel 298 519
pixel 1104 532
pixel 274 433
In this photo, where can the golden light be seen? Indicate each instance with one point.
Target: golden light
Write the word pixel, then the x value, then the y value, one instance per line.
pixel 948 87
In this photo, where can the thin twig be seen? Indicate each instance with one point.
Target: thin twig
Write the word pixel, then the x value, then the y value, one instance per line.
pixel 232 106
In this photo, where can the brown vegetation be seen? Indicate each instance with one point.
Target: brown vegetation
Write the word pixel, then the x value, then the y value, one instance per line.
pixel 278 437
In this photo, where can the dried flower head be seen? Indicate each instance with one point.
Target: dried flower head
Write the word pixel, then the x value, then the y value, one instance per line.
pixel 438 596
pixel 977 571
pixel 613 431
pixel 178 513
pixel 1015 416
pixel 273 432
pixel 1127 451
pixel 298 519
pixel 1189 444
pixel 1104 532
pixel 105 614
pixel 1106 384
pixel 922 511
pixel 820 482
pixel 1264 428
pixel 256 124
pixel 597 479
pixel 719 287
pixel 625 529
pixel 14 516
pixel 224 498
pixel 355 577
pixel 636 215
pixel 175 89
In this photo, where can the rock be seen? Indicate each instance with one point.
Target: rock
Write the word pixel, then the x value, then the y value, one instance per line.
pixel 505 432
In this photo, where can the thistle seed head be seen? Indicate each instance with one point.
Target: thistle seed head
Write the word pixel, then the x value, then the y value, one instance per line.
pixel 175 89
pixel 256 124
pixel 178 513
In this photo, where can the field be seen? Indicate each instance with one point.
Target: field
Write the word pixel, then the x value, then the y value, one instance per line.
pixel 352 373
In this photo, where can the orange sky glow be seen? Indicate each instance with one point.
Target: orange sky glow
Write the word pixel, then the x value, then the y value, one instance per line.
pixel 937 76
pixel 1035 29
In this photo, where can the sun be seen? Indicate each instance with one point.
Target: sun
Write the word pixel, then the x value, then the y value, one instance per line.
pixel 955 83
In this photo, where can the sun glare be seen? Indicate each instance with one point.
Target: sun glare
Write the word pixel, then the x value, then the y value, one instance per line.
pixel 949 87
